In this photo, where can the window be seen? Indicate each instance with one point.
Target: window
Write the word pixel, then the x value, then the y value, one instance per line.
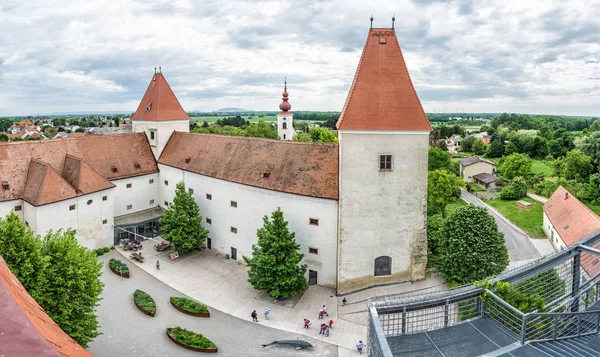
pixel 137 165
pixel 383 266
pixel 89 202
pixel 284 125
pixel 313 221
pixel 284 136
pixel 129 207
pixel 208 221
pixel 71 207
pixel 5 185
pixel 233 230
pixel 151 181
pixel 208 196
pixel 188 159
pixel 233 204
pixel 191 191
pixel 128 185
pixel 313 251
pixel 152 134
pixel 151 202
pixel 114 169
pixel 166 204
pixel 266 174
pixel 149 107
pixel 105 221
pixel 18 208
pixel 27 223
pixel 166 183
pixel 104 198
pixel 385 162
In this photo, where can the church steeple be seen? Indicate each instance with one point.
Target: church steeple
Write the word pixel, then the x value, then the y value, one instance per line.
pixel 285 124
pixel 285 105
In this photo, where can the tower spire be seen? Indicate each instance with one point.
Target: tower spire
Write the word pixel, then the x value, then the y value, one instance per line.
pixel 371 20
pixel 393 20
pixel 285 105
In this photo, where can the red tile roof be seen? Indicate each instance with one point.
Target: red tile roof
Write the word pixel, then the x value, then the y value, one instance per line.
pixel 309 169
pixel 83 177
pixel 26 329
pixel 44 185
pixel 382 96
pixel 100 152
pixel 572 220
pixel 159 103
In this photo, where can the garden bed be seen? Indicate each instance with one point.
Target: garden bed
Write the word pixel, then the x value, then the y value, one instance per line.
pixel 189 307
pixel 191 340
pixel 144 302
pixel 118 267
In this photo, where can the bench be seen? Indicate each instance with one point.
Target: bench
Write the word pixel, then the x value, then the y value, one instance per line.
pixel 137 257
pixel 163 246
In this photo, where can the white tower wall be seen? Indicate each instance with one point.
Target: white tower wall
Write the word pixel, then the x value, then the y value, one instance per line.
pixel 285 125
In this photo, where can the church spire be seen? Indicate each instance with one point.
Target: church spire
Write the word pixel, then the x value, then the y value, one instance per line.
pixel 285 105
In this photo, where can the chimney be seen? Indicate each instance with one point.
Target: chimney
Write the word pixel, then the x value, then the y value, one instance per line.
pixel 566 195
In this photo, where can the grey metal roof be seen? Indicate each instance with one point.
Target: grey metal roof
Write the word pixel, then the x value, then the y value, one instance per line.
pixel 474 159
pixel 486 178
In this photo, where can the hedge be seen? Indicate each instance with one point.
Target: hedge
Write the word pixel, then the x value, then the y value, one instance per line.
pixel 190 338
pixel 144 302
pixel 118 267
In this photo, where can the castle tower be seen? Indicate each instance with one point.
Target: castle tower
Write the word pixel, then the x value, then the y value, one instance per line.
pixel 159 114
pixel 285 118
pixel 383 145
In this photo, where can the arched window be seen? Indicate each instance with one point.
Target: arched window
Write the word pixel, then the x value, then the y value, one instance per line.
pixel 284 126
pixel 283 136
pixel 383 266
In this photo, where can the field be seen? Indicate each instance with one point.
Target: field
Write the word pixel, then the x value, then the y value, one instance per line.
pixel 537 166
pixel 214 119
pixel 530 220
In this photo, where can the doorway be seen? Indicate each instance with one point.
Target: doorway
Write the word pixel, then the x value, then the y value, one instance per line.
pixel 312 277
pixel 208 243
pixel 233 253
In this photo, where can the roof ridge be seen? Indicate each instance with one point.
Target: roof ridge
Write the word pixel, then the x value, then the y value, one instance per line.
pixel 290 142
pixel 581 204
pixel 85 137
pixel 39 189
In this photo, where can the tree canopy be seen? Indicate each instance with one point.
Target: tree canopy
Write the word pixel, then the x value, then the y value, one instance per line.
pixel 443 187
pixel 574 166
pixel 479 147
pixel 590 146
pixel 180 224
pixel 275 262
pixel 467 143
pixel 439 159
pixel 515 165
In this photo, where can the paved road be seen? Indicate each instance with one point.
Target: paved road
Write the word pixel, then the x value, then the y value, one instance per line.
pixel 519 247
pixel 128 332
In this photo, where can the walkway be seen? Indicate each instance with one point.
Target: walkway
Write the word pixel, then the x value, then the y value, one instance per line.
pixel 128 332
pixel 538 198
pixel 221 283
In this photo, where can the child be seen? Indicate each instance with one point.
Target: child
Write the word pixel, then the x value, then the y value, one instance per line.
pixel 321 313
pixel 326 331
pixel 267 311
pixel 360 347
pixel 330 323
pixel 322 330
pixel 306 323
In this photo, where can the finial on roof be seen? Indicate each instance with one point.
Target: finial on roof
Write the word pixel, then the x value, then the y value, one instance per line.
pixel 159 69
pixel 371 21
pixel 285 84
pixel 285 105
pixel 393 19
pixel 154 70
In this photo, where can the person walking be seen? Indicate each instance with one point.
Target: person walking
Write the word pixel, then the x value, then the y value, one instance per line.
pixel 254 316
pixel 267 311
pixel 325 310
pixel 330 323
pixel 326 331
pixel 344 301
pixel 321 313
pixel 322 330
pixel 360 347
pixel 157 265
pixel 306 323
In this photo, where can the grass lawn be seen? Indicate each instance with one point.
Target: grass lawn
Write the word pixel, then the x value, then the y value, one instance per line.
pixel 214 119
pixel 452 207
pixel 530 220
pixel 475 188
pixel 595 208
pixel 541 167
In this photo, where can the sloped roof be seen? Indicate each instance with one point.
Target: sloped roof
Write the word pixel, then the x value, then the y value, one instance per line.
pixel 159 103
pixel 83 177
pixel 309 169
pixel 486 178
pixel 382 96
pixel 44 185
pixel 571 219
pixel 100 152
pixel 26 329
pixel 473 160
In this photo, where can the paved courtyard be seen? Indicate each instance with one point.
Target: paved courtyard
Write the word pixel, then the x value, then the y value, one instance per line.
pixel 128 332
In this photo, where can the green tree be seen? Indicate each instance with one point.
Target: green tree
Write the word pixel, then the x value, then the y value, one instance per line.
pixel 467 143
pixel 590 146
pixel 515 165
pixel 3 137
pixel 574 166
pixel 510 148
pixel 117 121
pixel 592 192
pixel 442 145
pixel 322 135
pixel 439 160
pixel 443 187
pixel 22 251
pixel 302 137
pixel 435 234
pixel 180 224
pixel 472 248
pixel 71 286
pixel 496 149
pixel 275 262
pixel 261 130
pixel 479 147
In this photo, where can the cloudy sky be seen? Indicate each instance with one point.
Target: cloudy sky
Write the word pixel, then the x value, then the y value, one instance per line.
pixel 528 56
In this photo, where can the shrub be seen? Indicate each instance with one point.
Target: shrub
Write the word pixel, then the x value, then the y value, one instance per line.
pixel 190 338
pixel 118 266
pixel 189 305
pixel 509 193
pixel 144 301
pixel 112 247
pixel 106 249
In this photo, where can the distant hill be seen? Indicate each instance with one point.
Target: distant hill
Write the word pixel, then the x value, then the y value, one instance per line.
pixel 232 110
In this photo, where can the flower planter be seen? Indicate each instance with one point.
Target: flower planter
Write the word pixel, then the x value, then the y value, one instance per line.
pixel 126 275
pixel 197 314
pixel 196 349
pixel 146 312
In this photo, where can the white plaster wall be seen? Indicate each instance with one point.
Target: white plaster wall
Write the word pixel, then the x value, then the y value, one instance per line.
pixel 91 231
pixel 55 216
pixel 471 170
pixel 557 241
pixel 382 213
pixel 253 204
pixel 9 206
pixel 289 131
pixel 30 216
pixel 138 196
pixel 164 129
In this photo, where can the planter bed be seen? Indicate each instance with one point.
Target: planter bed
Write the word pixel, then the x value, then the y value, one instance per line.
pixel 208 346
pixel 114 265
pixel 144 302
pixel 189 307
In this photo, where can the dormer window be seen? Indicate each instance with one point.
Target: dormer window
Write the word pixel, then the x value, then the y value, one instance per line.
pixel 149 107
pixel 5 185
pixel 137 165
pixel 266 174
pixel 188 159
pixel 113 169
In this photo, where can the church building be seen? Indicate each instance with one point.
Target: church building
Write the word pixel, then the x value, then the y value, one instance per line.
pixel 357 207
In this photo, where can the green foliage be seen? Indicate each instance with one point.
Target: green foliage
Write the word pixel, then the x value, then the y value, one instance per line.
pixel 467 143
pixel 236 121
pixel 509 193
pixel 118 266
pixel 180 223
pixel 322 135
pixel 439 160
pixel 523 302
pixel 3 137
pixel 144 301
pixel 515 165
pixel 71 287
pixel 435 228
pixel 472 248
pixel 479 147
pixel 101 251
pixel 190 338
pixel 496 149
pixel 575 166
pixel 516 190
pixel 261 129
pixel 274 265
pixel 548 285
pixel 590 146
pixel 304 137
pixel 510 148
pixel 189 305
pixel 443 187
pixel 592 192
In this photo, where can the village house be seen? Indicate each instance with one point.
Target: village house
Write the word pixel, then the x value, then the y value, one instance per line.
pixel 475 169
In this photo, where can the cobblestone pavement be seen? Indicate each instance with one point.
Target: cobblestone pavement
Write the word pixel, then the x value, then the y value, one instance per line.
pixel 128 332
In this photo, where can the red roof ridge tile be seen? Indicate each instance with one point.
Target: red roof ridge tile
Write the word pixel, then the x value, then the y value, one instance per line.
pixel 43 186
